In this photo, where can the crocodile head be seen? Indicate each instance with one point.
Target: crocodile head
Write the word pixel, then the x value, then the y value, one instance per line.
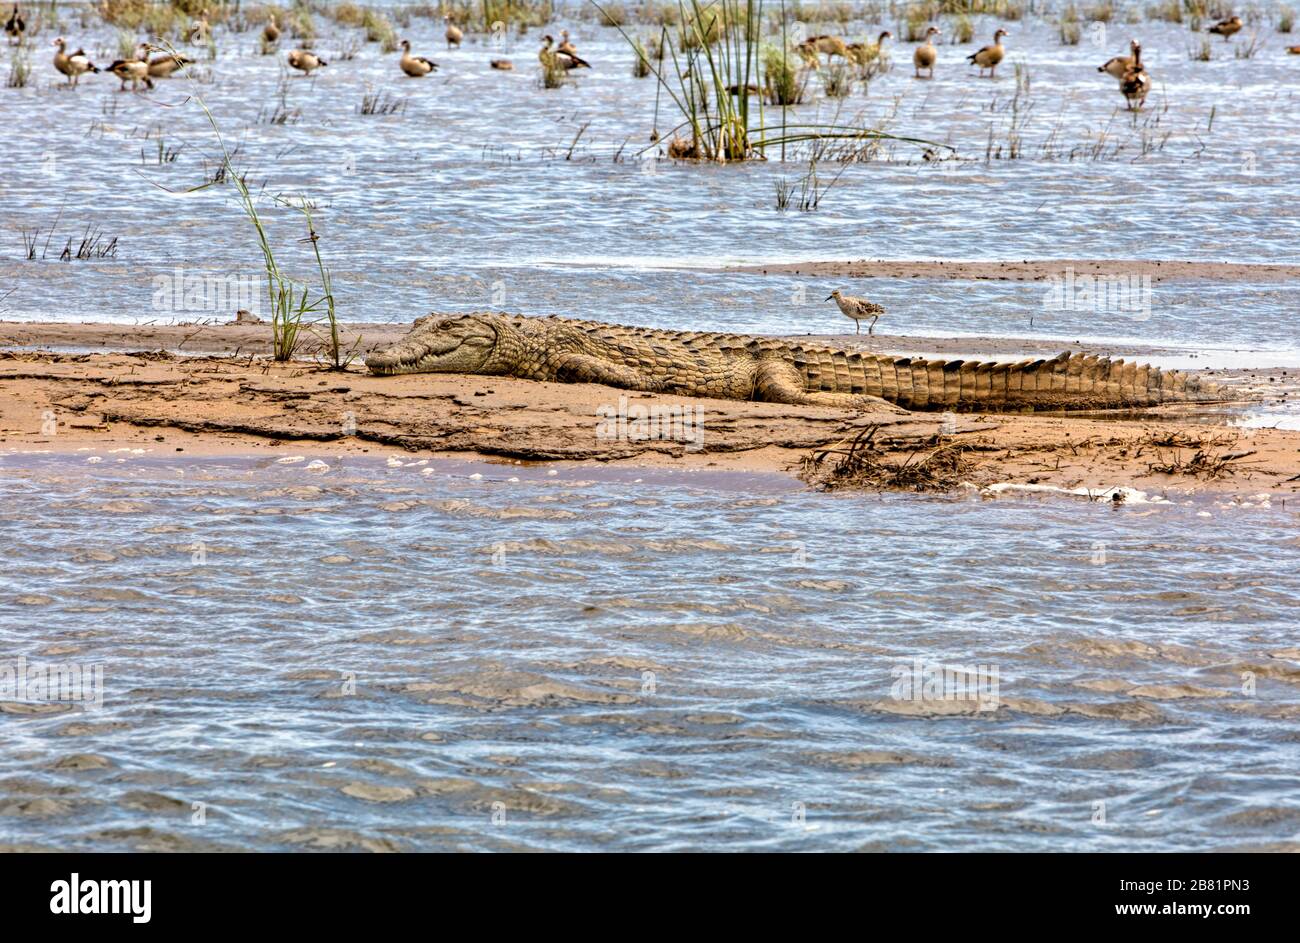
pixel 439 345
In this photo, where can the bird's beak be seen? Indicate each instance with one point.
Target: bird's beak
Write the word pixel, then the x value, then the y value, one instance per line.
pixel 829 297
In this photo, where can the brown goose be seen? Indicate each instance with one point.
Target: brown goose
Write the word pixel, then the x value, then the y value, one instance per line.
pixel 1117 66
pixel 990 56
pixel 830 45
pixel 453 33
pixel 1226 28
pixel 564 59
pixel 415 66
pixel 72 65
pixel 16 26
pixel 863 54
pixel 565 46
pixel 271 32
pixel 134 71
pixel 162 67
pixel 1135 84
pixel 305 62
pixel 925 55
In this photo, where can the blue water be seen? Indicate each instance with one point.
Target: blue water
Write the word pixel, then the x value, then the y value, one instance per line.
pixel 375 657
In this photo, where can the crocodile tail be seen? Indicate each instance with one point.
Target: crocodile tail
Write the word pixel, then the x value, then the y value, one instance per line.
pixel 1069 381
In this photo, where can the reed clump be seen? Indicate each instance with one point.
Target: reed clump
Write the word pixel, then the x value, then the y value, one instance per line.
pixel 961 29
pixel 916 23
pixel 710 83
pixel 379 29
pixel 1069 28
pixel 20 69
pixel 781 84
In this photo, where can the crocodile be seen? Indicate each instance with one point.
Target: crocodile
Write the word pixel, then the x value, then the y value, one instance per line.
pixel 744 367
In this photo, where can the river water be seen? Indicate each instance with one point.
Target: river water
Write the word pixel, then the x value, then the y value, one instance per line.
pixel 412 654
pixel 418 655
pixel 465 200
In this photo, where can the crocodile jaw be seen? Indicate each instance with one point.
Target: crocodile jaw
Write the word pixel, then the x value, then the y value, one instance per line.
pixel 457 346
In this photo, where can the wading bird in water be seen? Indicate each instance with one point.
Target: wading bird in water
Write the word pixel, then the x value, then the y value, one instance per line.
pixel 857 310
pixel 73 65
pixel 990 56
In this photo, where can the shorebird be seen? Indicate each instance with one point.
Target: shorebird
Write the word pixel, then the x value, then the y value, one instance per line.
pixel 1117 66
pixel 1226 28
pixel 857 310
pixel 271 32
pixel 1135 84
pixel 73 65
pixel 925 55
pixel 305 62
pixel 453 33
pixel 134 71
pixel 415 66
pixel 990 56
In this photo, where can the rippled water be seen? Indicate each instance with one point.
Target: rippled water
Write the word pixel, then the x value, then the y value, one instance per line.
pixel 465 200
pixel 383 655
pixel 406 656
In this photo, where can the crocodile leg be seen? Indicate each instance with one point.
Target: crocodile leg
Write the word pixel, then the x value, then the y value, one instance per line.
pixel 778 382
pixel 583 368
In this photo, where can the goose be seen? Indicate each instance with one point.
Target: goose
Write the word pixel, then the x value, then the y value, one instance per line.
pixel 831 45
pixel 453 33
pixel 199 30
pixel 565 46
pixel 1135 84
pixel 271 32
pixel 134 71
pixel 162 67
pixel 1226 28
pixel 415 66
pixel 565 60
pixel 990 56
pixel 925 55
pixel 1117 66
pixel 16 26
pixel 862 54
pixel 1294 50
pixel 305 62
pixel 72 65
pixel 502 65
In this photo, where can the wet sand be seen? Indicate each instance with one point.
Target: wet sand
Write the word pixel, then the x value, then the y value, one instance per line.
pixel 1034 269
pixel 223 403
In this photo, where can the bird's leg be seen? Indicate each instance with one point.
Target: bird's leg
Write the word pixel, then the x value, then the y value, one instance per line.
pixel 857 326
pixel 872 328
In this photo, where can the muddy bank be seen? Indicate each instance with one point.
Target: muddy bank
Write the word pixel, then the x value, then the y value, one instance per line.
pixel 1034 269
pixel 163 403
